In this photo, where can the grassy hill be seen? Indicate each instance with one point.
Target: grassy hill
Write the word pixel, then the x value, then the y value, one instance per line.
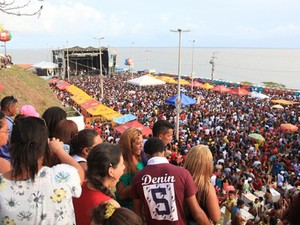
pixel 28 88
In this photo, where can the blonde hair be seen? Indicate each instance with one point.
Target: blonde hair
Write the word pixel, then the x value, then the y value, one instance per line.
pixel 126 142
pixel 199 163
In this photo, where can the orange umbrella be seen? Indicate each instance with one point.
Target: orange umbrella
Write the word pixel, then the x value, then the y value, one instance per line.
pixel 288 127
pixel 196 84
pixel 221 88
pixel 239 91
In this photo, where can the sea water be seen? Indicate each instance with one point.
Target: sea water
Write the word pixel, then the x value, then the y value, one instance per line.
pixel 231 64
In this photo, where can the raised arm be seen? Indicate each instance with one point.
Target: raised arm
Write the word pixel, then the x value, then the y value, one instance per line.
pixel 57 149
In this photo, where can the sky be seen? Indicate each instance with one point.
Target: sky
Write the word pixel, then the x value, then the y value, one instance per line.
pixel 141 23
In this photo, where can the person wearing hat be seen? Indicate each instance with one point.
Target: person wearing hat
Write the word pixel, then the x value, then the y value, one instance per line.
pixel 9 106
pixel 28 110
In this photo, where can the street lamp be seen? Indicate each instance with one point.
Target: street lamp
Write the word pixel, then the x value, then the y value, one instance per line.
pixel 100 68
pixel 68 62
pixel 192 73
pixel 178 101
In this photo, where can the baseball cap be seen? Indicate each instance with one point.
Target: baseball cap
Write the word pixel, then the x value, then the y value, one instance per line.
pixel 28 110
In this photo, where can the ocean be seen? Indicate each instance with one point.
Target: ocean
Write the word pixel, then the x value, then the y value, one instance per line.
pixel 231 64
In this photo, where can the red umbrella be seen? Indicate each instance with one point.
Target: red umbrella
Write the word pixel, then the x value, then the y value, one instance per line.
pixel 221 88
pixel 133 124
pixel 239 91
pixel 288 127
pixel 196 84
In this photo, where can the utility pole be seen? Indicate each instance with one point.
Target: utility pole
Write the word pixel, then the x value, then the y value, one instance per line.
pixel 101 92
pixel 192 73
pixel 212 62
pixel 178 99
pixel 68 63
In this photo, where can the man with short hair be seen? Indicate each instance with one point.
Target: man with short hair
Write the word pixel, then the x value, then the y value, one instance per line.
pixel 10 107
pixel 154 187
pixel 236 209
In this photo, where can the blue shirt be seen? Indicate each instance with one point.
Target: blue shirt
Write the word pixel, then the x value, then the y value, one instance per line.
pixel 4 150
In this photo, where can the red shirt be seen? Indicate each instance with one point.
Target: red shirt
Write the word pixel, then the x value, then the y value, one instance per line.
pixel 84 205
pixel 155 186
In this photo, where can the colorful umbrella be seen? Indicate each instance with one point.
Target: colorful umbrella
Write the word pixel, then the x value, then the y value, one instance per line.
pixel 288 127
pixel 277 106
pixel 207 86
pixel 239 91
pixel 221 88
pixel 256 137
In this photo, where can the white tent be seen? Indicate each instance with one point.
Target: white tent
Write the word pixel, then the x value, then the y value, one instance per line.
pixel 258 95
pixel 145 81
pixel 45 65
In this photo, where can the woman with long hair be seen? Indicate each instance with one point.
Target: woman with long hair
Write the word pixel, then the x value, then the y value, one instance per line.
pixel 131 143
pixel 82 143
pixel 199 163
pixel 105 166
pixel 30 192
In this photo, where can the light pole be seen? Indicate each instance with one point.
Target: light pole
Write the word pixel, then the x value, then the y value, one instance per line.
pixel 192 73
pixel 68 63
pixel 178 100
pixel 132 43
pixel 100 69
pixel 212 62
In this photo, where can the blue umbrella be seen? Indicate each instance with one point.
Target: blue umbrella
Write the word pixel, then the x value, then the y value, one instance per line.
pixel 185 100
pixel 124 119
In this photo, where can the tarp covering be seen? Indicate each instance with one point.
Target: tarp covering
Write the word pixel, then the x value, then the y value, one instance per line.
pixel 63 85
pixel 80 99
pixel 284 102
pixel 100 110
pixel 89 104
pixel 133 124
pixel 74 90
pixel 258 95
pixel 185 100
pixel 124 119
pixel 146 81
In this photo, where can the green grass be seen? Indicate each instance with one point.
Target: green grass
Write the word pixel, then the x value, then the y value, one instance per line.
pixel 28 88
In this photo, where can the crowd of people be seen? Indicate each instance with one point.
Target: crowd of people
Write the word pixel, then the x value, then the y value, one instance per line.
pixel 131 178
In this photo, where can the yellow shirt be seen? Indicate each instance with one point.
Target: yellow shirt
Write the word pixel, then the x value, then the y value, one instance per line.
pixel 229 204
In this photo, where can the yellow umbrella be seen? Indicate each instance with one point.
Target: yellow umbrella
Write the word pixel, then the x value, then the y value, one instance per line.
pixel 207 86
pixel 277 106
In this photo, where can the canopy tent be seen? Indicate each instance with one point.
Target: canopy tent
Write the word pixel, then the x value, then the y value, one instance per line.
pixel 146 81
pixel 133 124
pixel 221 88
pixel 53 80
pixel 111 115
pixel 63 85
pixel 82 98
pixel 45 65
pixel 284 102
pixel 196 84
pixel 184 82
pixel 185 100
pixel 239 91
pixel 167 79
pixel 74 90
pixel 89 104
pixel 207 86
pixel 100 110
pixel 124 119
pixel 258 95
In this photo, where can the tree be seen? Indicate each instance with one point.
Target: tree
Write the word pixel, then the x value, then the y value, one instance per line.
pixel 271 84
pixel 19 9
